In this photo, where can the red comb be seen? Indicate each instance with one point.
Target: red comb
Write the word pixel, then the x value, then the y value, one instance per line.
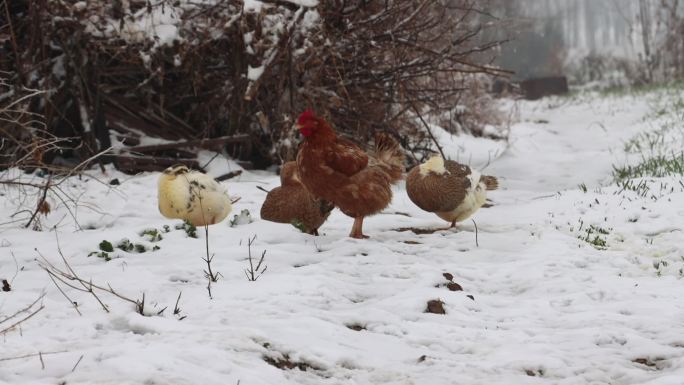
pixel 306 115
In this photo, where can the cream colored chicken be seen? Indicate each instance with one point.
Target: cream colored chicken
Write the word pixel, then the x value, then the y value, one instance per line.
pixel 449 189
pixel 193 196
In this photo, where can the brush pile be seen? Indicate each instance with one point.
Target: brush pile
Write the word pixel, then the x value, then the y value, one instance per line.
pixel 149 81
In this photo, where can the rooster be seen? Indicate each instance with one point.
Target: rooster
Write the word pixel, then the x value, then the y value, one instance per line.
pixel 449 189
pixel 338 171
pixel 293 203
pixel 192 196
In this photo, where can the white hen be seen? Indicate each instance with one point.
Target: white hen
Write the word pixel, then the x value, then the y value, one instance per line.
pixel 193 196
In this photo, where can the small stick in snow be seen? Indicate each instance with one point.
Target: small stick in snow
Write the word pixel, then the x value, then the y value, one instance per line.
pixel 177 309
pixel 27 309
pixel 16 268
pixel 252 269
pixel 208 273
pixel 204 166
pixel 229 175
pixel 477 244
pixel 77 362
pixel 32 355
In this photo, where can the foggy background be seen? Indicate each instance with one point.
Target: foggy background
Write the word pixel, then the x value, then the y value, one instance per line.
pixel 584 39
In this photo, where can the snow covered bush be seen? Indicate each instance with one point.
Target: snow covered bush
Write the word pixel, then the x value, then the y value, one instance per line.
pixel 118 71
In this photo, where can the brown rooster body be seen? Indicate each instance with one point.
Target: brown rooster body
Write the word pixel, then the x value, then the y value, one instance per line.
pixel 338 171
pixel 449 189
pixel 293 203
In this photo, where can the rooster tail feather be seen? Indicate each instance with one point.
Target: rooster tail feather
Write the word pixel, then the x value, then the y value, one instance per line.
pixel 390 156
pixel 491 182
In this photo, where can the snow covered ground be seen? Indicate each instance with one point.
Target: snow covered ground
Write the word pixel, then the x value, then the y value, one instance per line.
pixel 576 279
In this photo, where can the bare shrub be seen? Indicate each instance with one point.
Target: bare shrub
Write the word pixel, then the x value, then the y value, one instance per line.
pixel 254 271
pixel 25 145
pixel 671 48
pixel 475 112
pixel 188 70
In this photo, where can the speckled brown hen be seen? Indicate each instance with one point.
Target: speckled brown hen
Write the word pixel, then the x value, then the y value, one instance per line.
pixel 449 189
pixel 338 171
pixel 293 203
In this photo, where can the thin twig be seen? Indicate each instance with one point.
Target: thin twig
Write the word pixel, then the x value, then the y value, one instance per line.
pixel 32 355
pixel 88 287
pixel 429 131
pixel 204 166
pixel 72 302
pixel 251 276
pixel 176 309
pixel 263 189
pixel 12 326
pixel 477 244
pixel 211 276
pixel 39 206
pixel 77 362
pixel 24 310
pixel 85 286
pixel 16 267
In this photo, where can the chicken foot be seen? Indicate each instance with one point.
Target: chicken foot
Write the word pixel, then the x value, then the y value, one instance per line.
pixel 357 229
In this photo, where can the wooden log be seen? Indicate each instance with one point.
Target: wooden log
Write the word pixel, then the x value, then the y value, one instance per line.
pixel 134 164
pixel 128 139
pixel 210 143
pixel 129 115
pixel 537 88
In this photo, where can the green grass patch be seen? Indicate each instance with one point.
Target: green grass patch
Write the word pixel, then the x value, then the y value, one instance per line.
pixel 595 236
pixel 640 90
pixel 655 166
pixel 660 150
pixel 189 228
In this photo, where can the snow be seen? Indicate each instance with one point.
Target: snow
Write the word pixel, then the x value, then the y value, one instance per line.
pixel 254 74
pixel 252 6
pixel 158 23
pixel 305 3
pixel 546 307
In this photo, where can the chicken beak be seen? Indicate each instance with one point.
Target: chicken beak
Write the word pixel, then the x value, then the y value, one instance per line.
pixel 296 128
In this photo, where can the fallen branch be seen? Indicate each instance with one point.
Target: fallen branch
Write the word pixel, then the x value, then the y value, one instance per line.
pixel 134 164
pixel 70 279
pixel 211 143
pixel 32 355
pixel 229 175
pixel 28 309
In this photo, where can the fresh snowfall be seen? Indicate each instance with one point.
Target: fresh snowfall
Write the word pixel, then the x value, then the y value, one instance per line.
pixel 572 275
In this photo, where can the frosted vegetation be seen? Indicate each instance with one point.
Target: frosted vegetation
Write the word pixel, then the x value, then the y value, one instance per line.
pixel 572 277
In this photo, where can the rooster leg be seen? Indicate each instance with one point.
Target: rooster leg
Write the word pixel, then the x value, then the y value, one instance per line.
pixel 452 226
pixel 357 229
pixel 314 232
